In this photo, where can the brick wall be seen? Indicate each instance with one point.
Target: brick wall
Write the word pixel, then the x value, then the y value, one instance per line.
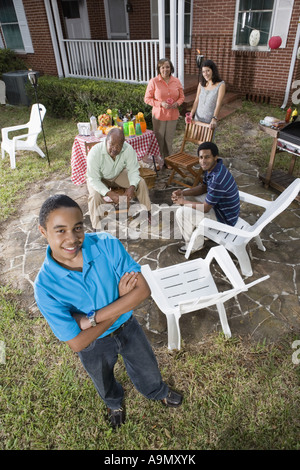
pixel 261 76
pixel 97 21
pixel 43 59
pixel 140 20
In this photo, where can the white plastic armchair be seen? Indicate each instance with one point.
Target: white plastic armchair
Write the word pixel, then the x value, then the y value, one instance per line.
pixel 235 239
pixel 25 141
pixel 189 286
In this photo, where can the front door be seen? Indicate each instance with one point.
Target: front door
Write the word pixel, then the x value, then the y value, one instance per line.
pixel 117 19
pixel 76 19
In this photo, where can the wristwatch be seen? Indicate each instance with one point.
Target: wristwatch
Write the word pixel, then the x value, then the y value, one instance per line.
pixel 91 317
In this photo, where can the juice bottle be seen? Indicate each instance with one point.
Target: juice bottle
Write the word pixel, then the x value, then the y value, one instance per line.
pixel 126 128
pixel 131 129
pixel 138 128
pixel 143 125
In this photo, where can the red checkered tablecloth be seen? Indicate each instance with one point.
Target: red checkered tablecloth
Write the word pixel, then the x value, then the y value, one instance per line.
pixel 145 144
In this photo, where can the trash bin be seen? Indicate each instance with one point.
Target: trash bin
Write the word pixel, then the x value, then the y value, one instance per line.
pixel 15 87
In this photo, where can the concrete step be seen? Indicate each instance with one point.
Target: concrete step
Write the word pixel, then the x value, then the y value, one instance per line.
pixel 229 108
pixel 231 103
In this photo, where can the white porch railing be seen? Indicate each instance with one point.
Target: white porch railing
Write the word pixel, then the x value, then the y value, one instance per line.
pixel 126 61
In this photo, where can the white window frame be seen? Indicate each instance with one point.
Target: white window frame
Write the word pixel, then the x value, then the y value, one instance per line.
pixel 279 26
pixel 154 17
pixel 24 30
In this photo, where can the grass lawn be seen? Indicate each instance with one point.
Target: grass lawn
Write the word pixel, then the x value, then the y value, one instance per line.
pixel 237 395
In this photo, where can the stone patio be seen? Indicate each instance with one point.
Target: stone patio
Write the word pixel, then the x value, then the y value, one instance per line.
pixel 267 311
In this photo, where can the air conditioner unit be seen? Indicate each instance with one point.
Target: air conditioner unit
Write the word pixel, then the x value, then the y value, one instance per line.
pixel 15 87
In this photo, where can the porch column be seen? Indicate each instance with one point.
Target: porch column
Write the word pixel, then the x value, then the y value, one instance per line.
pixel 53 38
pixel 173 45
pixel 60 37
pixel 161 29
pixel 180 49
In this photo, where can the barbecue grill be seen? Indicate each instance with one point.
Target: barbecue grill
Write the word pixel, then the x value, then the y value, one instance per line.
pixel 289 138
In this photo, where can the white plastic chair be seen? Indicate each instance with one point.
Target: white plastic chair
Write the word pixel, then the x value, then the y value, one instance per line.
pixel 189 286
pixel 235 239
pixel 25 141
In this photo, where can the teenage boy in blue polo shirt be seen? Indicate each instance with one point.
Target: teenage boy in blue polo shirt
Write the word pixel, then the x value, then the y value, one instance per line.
pixel 217 197
pixel 86 289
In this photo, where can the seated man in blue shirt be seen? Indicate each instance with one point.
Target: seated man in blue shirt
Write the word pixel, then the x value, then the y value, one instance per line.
pixel 86 289
pixel 217 197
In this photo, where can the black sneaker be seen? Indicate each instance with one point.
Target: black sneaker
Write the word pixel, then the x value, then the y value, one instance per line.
pixel 173 399
pixel 116 417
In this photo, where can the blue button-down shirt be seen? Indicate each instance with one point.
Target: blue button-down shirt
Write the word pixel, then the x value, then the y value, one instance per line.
pixel 60 292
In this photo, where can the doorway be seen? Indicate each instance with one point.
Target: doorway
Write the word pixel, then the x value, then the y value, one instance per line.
pixel 76 19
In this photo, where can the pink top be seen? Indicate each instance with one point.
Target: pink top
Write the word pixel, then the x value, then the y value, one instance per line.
pixel 157 91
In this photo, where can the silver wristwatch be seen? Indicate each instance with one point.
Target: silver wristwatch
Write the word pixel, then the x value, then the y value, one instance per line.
pixel 91 317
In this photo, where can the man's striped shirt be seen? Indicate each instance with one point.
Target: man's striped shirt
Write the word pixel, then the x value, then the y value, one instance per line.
pixel 222 193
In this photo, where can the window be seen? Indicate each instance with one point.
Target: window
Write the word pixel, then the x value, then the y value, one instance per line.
pixel 14 27
pixel 254 14
pixel 187 21
pixel 269 17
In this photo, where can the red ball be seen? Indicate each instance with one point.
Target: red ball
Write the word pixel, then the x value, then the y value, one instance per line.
pixel 275 42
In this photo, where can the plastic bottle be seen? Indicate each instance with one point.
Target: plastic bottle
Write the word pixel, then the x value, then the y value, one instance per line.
pixel 93 122
pixel 138 129
pixel 288 115
pixel 125 128
pixel 294 115
pixel 131 129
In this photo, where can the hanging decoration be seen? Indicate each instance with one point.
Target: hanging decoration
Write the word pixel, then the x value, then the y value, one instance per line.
pixel 275 42
pixel 254 37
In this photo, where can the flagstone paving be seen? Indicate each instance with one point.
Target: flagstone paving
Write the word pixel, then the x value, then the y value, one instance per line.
pixel 267 311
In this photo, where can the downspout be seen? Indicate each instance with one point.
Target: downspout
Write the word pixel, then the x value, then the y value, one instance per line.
pixel 54 39
pixel 181 41
pixel 293 60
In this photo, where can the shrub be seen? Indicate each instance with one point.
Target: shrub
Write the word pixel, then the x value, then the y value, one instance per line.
pixel 80 98
pixel 9 62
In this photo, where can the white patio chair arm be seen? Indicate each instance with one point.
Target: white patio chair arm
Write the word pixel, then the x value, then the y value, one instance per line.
pixel 257 201
pixel 18 137
pixel 221 255
pixel 214 224
pixel 192 305
pixel 6 130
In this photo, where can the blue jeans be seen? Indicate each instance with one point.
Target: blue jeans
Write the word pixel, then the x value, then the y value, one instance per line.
pixel 100 357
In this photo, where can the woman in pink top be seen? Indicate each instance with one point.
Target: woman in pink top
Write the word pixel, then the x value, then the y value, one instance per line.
pixel 164 93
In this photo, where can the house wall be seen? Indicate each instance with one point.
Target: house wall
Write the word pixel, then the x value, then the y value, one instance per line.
pixel 97 21
pixel 43 59
pixel 139 19
pixel 260 76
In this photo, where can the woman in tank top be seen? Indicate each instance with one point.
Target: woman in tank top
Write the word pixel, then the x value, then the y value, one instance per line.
pixel 210 94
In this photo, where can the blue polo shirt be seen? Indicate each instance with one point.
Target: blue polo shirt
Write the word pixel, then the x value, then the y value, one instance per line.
pixel 222 193
pixel 60 292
